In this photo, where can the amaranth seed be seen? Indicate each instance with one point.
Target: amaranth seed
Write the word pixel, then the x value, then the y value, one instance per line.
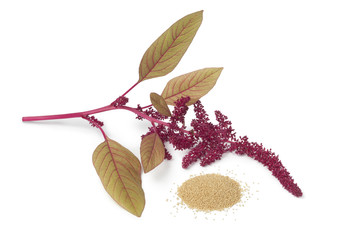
pixel 210 192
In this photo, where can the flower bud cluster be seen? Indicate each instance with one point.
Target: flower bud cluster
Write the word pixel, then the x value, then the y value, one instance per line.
pixel 212 139
pixel 207 142
pixel 93 121
pixel 120 101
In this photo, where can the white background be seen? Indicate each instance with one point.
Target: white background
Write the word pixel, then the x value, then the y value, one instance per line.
pixel 285 84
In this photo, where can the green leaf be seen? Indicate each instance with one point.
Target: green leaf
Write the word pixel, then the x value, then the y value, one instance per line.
pixel 120 173
pixel 166 52
pixel 194 84
pixel 152 152
pixel 159 103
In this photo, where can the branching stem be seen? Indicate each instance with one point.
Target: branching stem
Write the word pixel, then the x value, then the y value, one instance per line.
pixel 68 115
pixel 143 115
pixel 103 132
pixel 94 111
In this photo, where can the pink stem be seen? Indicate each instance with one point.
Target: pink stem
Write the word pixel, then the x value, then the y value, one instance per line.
pixel 103 133
pixel 94 111
pixel 95 124
pixel 147 106
pixel 141 114
pixel 68 115
pixel 130 89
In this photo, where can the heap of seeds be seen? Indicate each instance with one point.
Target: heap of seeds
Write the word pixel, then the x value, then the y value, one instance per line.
pixel 210 192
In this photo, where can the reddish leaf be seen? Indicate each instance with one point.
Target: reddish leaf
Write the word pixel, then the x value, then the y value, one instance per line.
pixel 152 152
pixel 194 84
pixel 159 103
pixel 120 174
pixel 166 52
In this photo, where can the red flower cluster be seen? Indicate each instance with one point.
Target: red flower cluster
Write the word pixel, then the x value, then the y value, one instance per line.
pixel 174 133
pixel 150 112
pixel 120 101
pixel 93 121
pixel 213 140
pixel 178 136
pixel 208 141
pixel 268 159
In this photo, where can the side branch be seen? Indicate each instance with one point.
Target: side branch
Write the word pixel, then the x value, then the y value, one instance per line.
pixel 145 116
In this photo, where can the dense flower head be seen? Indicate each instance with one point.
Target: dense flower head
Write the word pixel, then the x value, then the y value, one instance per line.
pixel 194 154
pixel 178 136
pixel 212 138
pixel 175 133
pixel 181 140
pixel 225 129
pixel 207 142
pixel 180 110
pixel 268 159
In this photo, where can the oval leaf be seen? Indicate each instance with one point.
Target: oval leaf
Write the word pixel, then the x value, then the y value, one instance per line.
pixel 120 173
pixel 166 52
pixel 159 103
pixel 194 84
pixel 152 152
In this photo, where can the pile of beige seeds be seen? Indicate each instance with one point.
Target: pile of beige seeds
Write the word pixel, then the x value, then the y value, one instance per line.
pixel 210 192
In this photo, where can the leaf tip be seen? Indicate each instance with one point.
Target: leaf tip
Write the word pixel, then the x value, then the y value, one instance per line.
pixel 219 70
pixel 167 50
pixel 138 208
pixel 139 213
pixel 199 15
